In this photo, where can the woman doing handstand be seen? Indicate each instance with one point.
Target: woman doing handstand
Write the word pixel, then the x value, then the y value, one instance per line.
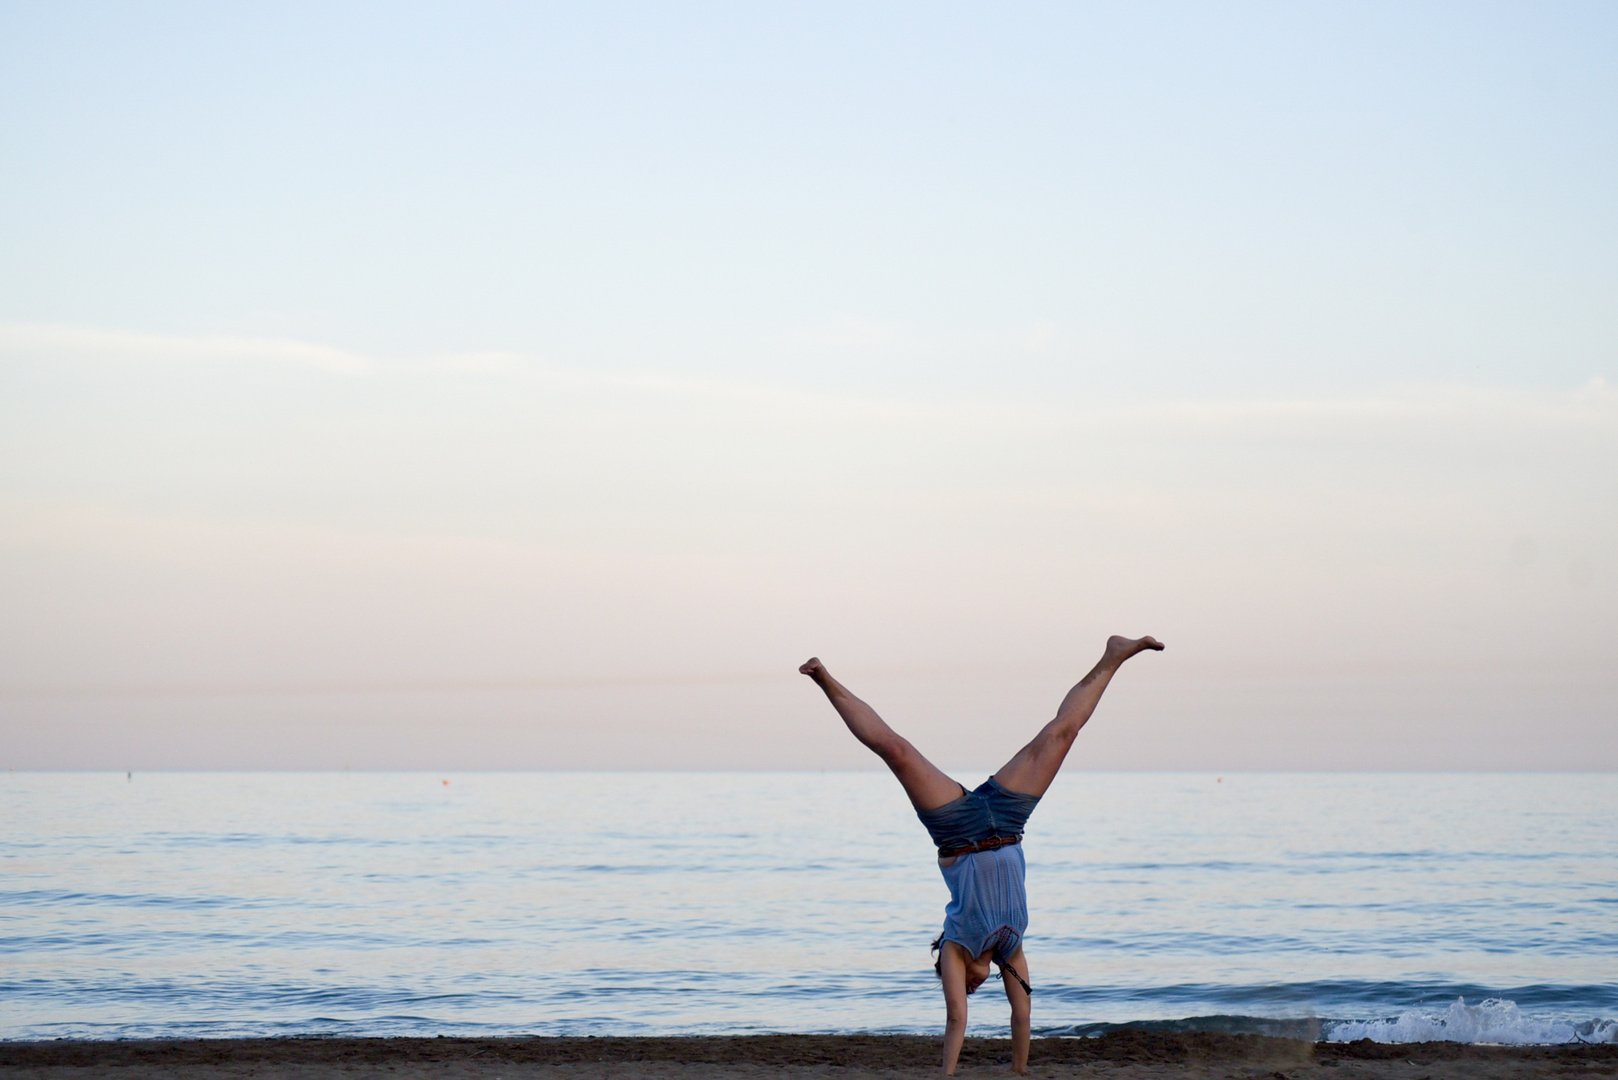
pixel 978 834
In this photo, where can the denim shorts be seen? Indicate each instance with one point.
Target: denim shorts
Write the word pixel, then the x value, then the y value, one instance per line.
pixel 979 815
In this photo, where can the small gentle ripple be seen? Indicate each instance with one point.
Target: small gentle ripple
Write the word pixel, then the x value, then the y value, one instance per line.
pixel 1385 906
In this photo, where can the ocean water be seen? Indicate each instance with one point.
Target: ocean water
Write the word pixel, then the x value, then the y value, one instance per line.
pixel 1398 907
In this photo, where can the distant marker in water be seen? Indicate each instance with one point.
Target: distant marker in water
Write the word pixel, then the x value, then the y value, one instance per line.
pixel 446 783
pixel 1221 780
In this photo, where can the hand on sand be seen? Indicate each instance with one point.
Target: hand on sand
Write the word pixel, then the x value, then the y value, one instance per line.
pixel 1120 649
pixel 812 667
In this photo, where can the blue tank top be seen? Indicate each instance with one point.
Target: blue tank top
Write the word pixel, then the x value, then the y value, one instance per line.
pixel 988 902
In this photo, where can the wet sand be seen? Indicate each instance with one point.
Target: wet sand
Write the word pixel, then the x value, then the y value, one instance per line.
pixel 1120 1056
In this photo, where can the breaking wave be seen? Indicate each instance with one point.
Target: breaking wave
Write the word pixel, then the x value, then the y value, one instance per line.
pixel 1490 1021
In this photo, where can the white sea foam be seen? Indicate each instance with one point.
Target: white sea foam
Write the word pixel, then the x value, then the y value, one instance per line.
pixel 1490 1021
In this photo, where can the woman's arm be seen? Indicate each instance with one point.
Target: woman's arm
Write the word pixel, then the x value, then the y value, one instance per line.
pixel 1022 1010
pixel 953 969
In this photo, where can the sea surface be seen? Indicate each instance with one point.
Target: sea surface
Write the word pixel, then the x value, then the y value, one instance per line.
pixel 1399 907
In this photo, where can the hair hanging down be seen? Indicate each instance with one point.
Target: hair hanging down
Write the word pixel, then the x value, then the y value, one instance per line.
pixel 938 958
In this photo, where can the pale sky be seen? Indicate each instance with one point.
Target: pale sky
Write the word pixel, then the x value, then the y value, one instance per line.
pixel 503 386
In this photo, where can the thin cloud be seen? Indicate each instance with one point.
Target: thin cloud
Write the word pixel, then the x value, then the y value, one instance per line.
pixel 43 339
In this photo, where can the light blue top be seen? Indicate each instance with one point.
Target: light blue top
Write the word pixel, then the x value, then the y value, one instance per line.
pixel 988 901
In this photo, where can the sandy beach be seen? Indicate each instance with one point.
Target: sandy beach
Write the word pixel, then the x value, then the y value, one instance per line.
pixel 1120 1055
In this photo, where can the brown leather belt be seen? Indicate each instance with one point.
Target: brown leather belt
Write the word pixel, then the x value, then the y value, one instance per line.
pixel 991 844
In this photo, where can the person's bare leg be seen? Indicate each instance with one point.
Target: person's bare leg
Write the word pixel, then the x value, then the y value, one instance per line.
pixel 923 781
pixel 1036 764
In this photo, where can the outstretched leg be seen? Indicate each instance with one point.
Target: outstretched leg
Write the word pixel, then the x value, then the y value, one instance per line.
pixel 923 781
pixel 1036 764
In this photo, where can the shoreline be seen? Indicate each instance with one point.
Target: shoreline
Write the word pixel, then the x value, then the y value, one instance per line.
pixel 1122 1055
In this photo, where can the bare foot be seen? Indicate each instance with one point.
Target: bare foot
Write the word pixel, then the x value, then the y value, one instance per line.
pixel 813 668
pixel 1120 649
